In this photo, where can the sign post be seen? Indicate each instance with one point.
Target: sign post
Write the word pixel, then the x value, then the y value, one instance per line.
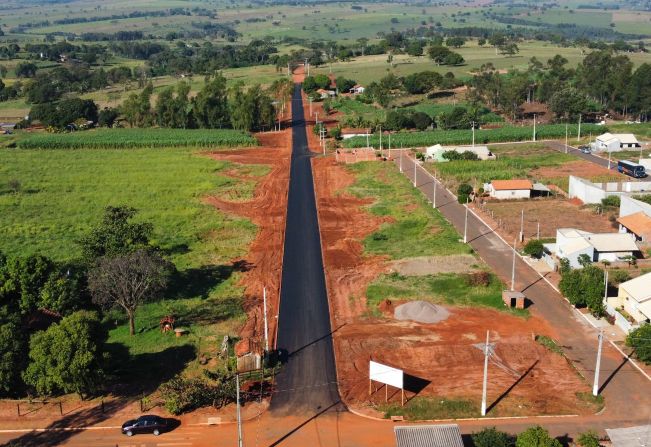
pixel 388 376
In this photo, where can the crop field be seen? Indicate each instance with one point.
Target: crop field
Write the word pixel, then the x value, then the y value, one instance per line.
pixel 137 138
pixel 464 136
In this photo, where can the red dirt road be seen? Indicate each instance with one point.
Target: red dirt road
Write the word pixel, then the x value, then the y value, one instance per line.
pixel 263 263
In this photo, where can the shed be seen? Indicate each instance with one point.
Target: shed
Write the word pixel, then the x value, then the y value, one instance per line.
pixel 445 435
pixel 357 89
pixel 513 298
pixel 638 224
pixel 631 436
pixel 510 189
pixel 615 142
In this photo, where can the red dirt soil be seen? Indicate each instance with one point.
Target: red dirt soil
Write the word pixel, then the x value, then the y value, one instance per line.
pixel 442 354
pixel 267 210
pixel 579 168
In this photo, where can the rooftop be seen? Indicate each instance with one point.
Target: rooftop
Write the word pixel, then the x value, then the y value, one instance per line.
pixel 501 185
pixel 639 288
pixel 639 223
pixel 447 435
pixel 631 436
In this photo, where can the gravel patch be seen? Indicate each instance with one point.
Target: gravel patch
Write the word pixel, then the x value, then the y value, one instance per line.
pixel 421 312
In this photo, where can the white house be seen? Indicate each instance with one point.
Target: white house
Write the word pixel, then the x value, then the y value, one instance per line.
pixel 509 189
pixel 634 298
pixel 610 142
pixel 572 243
pixel 325 94
pixel 357 89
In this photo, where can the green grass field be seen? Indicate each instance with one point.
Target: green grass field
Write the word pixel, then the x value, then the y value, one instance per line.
pixel 63 194
pixel 416 229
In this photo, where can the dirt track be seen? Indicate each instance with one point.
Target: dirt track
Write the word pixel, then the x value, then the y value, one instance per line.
pixel 263 262
pixel 442 356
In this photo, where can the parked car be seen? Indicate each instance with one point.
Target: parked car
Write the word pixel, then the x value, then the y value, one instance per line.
pixel 585 149
pixel 145 424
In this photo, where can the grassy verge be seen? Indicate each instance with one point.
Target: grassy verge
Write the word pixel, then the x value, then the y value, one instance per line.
pixel 416 229
pixel 449 289
pixel 136 138
pixel 427 408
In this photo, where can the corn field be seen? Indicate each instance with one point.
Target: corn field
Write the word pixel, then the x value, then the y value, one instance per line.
pixel 137 138
pixel 464 136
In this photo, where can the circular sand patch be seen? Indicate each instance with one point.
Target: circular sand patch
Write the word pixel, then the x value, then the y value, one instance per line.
pixel 421 312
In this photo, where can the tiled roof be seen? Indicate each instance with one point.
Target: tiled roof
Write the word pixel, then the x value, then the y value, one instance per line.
pixel 638 223
pixel 501 185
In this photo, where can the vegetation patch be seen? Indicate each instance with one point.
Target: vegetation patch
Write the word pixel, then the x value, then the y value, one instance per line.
pixel 427 408
pixel 138 138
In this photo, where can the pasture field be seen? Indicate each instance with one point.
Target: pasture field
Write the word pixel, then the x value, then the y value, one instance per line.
pixel 137 138
pixel 62 194
pixel 415 228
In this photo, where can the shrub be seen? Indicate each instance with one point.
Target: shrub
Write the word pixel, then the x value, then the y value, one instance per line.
pixel 618 276
pixel 611 202
pixel 534 248
pixel 536 437
pixel 640 340
pixel 479 279
pixel 589 439
pixel 491 437
pixel 182 395
pixel 463 192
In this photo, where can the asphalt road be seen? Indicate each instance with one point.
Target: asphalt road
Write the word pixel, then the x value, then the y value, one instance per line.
pixel 307 383
pixel 589 157
pixel 627 392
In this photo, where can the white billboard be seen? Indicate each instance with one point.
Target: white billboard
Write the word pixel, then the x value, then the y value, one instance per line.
pixel 386 374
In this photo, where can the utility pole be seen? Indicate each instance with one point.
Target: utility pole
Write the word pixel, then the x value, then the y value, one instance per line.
pixel 609 159
pixel 415 166
pixel 605 285
pixel 434 194
pixel 465 226
pixel 595 387
pixel 266 327
pixel 239 415
pixel 578 137
pixel 380 140
pixel 534 127
pixel 401 154
pixel 566 129
pixel 538 232
pixel 367 145
pixel 310 101
pixel 513 267
pixel 473 134
pixel 522 226
pixel 485 385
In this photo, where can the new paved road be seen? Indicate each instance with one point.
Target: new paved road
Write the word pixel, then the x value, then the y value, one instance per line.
pixel 307 383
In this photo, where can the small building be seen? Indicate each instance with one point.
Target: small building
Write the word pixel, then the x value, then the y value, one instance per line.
pixel 610 142
pixel 357 89
pixel 634 297
pixel 630 436
pixel 510 189
pixel 444 435
pixel 513 299
pixel 572 243
pixel 638 224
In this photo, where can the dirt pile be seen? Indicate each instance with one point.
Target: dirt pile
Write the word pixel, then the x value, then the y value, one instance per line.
pixel 421 312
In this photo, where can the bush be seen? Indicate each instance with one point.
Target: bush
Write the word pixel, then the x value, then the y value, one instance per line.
pixel 479 279
pixel 491 437
pixel 611 202
pixel 534 248
pixel 536 437
pixel 463 192
pixel 617 276
pixel 589 439
pixel 640 340
pixel 182 395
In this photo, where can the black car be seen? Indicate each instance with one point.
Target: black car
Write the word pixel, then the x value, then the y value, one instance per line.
pixel 145 424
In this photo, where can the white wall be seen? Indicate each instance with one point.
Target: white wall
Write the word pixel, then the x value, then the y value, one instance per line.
pixel 511 194
pixel 585 191
pixel 629 206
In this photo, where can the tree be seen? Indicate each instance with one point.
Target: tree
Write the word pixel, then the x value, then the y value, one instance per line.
pixel 65 112
pixel 137 108
pixel 128 280
pixel 534 248
pixel 68 356
pixel 491 437
pixel 463 192
pixel 210 106
pixel 116 234
pixel 3 71
pixel 25 70
pixel 584 287
pixel 344 85
pixel 584 260
pixel 13 351
pixel 640 340
pixel 568 103
pixel 421 120
pixel 107 117
pixel 536 437
pixel 509 49
pixel 455 42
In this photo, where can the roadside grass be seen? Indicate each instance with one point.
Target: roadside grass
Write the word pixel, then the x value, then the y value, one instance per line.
pixel 428 408
pixel 416 229
pixel 550 344
pixel 447 289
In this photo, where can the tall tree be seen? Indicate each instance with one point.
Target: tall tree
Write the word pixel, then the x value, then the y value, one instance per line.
pixel 210 106
pixel 137 108
pixel 68 356
pixel 128 280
